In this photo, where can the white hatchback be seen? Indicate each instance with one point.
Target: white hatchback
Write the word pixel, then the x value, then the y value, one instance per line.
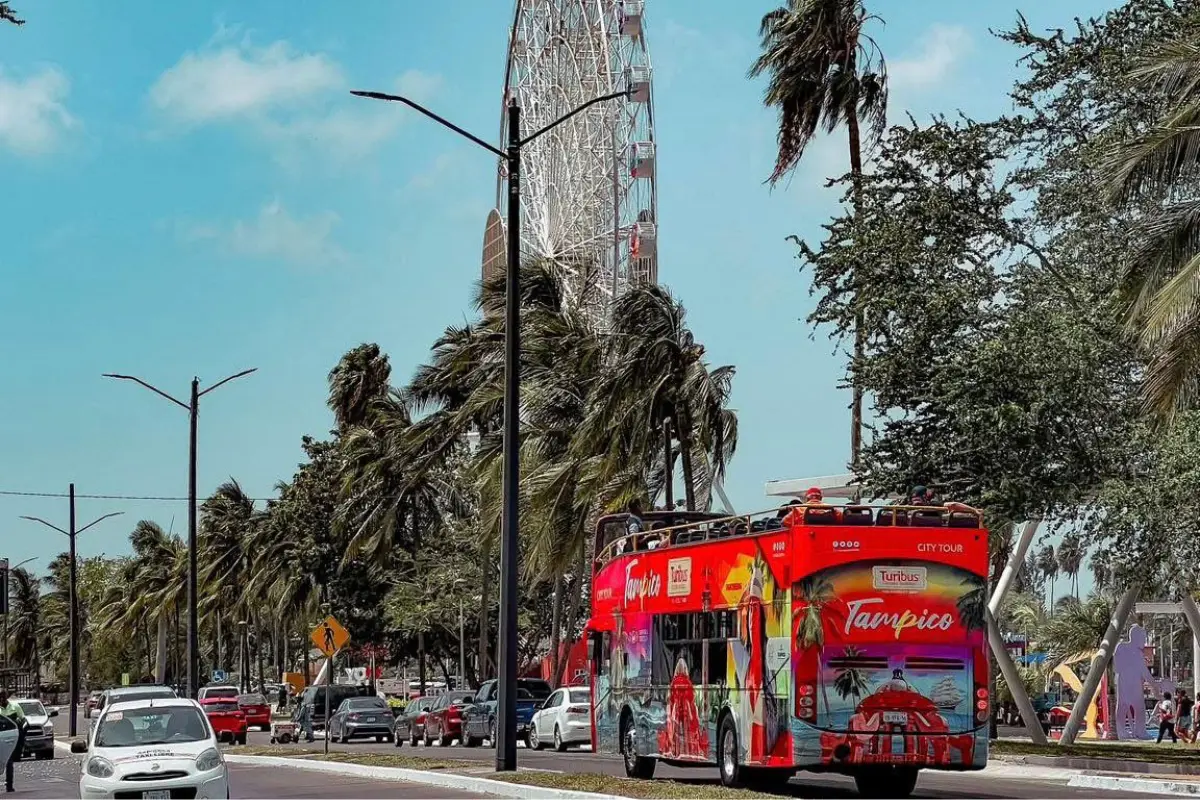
pixel 153 749
pixel 565 719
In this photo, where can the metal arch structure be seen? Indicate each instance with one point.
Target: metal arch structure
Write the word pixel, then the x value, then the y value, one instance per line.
pixel 589 200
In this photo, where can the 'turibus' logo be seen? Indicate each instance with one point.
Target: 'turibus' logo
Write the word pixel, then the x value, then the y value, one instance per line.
pixel 902 579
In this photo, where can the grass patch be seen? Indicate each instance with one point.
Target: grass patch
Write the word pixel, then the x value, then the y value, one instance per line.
pixel 1130 751
pixel 366 759
pixel 625 787
pixel 583 782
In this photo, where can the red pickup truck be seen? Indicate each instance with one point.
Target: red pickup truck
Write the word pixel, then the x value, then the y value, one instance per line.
pixel 226 718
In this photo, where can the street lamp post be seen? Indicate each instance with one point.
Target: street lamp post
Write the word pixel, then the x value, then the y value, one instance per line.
pixel 193 409
pixel 506 716
pixel 72 599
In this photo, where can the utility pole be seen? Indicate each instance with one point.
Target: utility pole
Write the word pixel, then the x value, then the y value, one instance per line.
pixel 193 409
pixel 72 598
pixel 506 711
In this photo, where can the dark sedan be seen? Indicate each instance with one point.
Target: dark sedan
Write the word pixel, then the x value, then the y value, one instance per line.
pixel 410 723
pixel 360 717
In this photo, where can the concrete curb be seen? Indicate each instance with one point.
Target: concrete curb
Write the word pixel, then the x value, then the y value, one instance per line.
pixel 1101 764
pixel 1135 784
pixel 443 780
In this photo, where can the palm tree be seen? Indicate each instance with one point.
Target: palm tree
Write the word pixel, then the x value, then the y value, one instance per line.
pixel 824 72
pixel 228 524
pixel 1153 173
pixel 1077 627
pixel 360 377
pixel 1070 559
pixel 24 626
pixel 7 14
pixel 158 588
pixel 1047 563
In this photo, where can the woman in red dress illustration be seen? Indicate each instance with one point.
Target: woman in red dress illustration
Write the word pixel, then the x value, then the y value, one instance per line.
pixel 683 734
pixel 764 715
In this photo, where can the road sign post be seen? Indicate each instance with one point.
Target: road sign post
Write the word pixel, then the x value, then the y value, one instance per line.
pixel 329 636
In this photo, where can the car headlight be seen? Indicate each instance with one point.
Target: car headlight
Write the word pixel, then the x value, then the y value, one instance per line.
pixel 99 767
pixel 48 727
pixel 209 759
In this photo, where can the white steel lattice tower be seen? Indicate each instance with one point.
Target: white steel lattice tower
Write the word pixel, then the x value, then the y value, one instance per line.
pixel 588 195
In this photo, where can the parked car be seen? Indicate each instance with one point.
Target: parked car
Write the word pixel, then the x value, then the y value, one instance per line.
pixel 256 709
pixel 39 735
pixel 92 703
pixel 226 717
pixel 479 720
pixel 222 690
pixel 187 760
pixel 410 723
pixel 564 719
pixel 361 716
pixel 314 696
pixel 444 721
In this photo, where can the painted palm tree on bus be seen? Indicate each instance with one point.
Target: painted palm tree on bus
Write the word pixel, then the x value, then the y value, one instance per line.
pixel 824 72
pixel 849 681
pixel 816 597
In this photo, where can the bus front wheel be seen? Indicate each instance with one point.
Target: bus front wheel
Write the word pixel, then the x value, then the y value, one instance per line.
pixel 897 782
pixel 636 766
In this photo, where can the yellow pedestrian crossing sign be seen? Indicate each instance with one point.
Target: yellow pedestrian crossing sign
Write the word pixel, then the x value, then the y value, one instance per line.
pixel 329 636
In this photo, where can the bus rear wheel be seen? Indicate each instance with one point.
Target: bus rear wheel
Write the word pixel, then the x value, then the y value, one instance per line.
pixel 729 757
pixel 897 782
pixel 636 766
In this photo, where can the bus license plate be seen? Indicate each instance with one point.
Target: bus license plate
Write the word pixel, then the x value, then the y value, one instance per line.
pixel 158 794
pixel 895 717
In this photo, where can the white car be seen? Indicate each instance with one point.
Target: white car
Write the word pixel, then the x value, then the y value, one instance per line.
pixel 153 749
pixel 564 719
pixel 8 739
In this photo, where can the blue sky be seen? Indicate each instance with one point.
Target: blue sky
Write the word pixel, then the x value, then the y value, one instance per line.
pixel 188 189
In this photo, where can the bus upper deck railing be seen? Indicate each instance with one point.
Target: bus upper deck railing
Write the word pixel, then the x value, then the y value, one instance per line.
pixel 660 535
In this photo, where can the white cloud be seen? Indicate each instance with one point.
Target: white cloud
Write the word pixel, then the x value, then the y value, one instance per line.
pixel 297 102
pixel 941 48
pixel 239 80
pixel 275 234
pixel 417 85
pixel 33 116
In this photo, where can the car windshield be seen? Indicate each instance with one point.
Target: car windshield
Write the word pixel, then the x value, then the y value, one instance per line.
pixel 365 702
pixel 137 727
pixel 458 698
pixel 222 706
pixel 539 689
pixel 581 696
pixel 32 708
pixel 145 694
pixel 251 700
pixel 221 691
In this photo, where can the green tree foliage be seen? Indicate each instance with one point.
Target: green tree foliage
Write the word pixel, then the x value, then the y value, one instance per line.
pixel 991 378
pixel 9 14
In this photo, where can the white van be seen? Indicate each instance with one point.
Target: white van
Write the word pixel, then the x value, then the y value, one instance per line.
pixel 221 692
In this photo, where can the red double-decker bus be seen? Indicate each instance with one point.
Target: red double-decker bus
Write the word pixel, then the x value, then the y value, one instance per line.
pixel 832 639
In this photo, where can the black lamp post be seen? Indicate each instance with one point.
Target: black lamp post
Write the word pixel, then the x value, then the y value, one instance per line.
pixel 193 409
pixel 506 716
pixel 73 599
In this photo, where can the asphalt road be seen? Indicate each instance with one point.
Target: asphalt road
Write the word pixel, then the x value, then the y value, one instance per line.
pixel 1003 782
pixel 60 778
pixel 1007 782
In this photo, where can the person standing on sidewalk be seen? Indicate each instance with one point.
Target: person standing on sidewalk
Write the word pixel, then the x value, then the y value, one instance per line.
pixel 1166 717
pixel 1184 726
pixel 16 714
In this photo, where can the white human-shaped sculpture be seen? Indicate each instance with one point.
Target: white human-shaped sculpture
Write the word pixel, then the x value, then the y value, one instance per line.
pixel 1129 666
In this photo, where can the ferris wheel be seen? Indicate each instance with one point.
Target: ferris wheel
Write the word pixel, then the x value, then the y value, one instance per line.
pixel 588 199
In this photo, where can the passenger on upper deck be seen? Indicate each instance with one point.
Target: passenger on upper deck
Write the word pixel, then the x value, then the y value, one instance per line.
pixel 922 496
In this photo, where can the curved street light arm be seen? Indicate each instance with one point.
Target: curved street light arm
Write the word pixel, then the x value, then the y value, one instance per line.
pixel 47 524
pixel 154 389
pixel 98 519
pixel 224 381
pixel 567 116
pixel 436 118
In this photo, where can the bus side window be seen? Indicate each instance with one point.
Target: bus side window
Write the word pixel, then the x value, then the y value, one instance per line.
pixel 718 650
